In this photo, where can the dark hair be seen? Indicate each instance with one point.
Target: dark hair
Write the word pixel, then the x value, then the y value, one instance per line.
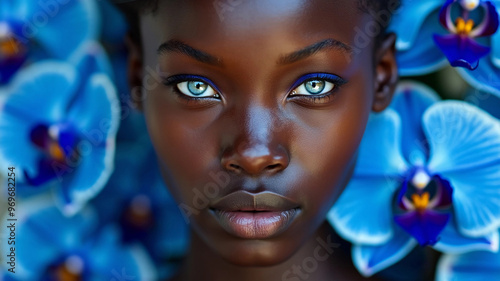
pixel 381 10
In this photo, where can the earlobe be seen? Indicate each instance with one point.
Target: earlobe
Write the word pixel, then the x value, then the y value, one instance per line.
pixel 386 75
pixel 135 71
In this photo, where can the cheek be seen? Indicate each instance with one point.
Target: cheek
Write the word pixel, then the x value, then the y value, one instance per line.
pixel 329 140
pixel 185 146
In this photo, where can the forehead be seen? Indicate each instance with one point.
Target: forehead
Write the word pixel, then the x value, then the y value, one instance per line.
pixel 239 20
pixel 261 30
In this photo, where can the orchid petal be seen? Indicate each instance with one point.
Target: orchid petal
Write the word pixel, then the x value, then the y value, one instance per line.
pixel 485 78
pixel 495 49
pixel 61 26
pixel 410 102
pixel 425 227
pixel 44 228
pixel 27 104
pixel 479 265
pixel 363 213
pixel 16 149
pixel 461 137
pixel 408 20
pixel 97 148
pixel 133 261
pixel 15 9
pixel 88 177
pixel 372 259
pixel 453 242
pixel 465 147
pixel 476 199
pixel 91 58
pixel 461 51
pixel 424 57
pixel 29 98
pixel 380 153
pixel 99 98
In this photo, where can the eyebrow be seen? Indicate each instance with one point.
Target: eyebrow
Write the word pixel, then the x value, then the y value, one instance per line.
pixel 314 48
pixel 183 48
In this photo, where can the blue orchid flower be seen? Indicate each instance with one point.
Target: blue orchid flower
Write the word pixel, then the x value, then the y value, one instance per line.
pixel 58 129
pixel 71 248
pixel 30 31
pixel 417 23
pixel 477 265
pixel 137 201
pixel 428 174
pixel 460 47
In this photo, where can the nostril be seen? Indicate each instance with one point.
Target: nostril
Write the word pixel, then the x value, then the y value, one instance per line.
pixel 235 167
pixel 255 160
pixel 273 167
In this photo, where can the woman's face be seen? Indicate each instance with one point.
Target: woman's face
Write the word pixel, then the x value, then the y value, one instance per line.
pixel 252 98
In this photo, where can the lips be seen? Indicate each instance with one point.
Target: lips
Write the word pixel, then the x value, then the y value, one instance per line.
pixel 255 216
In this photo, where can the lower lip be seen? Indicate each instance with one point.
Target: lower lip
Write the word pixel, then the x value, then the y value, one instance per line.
pixel 255 225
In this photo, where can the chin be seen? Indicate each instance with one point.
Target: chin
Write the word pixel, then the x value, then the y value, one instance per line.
pixel 253 254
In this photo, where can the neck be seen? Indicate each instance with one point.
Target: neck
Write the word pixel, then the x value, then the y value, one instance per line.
pixel 318 259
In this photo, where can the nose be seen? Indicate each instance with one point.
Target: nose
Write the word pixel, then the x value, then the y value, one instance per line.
pixel 256 159
pixel 257 148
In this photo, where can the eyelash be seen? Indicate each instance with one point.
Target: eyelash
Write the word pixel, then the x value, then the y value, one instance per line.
pixel 334 79
pixel 174 80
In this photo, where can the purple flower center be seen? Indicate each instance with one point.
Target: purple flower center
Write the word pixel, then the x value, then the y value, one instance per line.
pixel 13 53
pixel 70 268
pixel 424 203
pixel 58 144
pixel 464 27
pixel 137 218
pixel 460 46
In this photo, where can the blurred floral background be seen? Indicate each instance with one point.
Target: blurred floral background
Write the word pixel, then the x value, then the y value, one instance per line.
pixel 85 200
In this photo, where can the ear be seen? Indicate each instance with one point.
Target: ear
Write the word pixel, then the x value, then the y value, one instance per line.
pixel 386 75
pixel 135 71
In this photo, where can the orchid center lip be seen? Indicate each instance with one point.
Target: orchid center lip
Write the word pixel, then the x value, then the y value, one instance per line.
pixel 464 27
pixel 420 201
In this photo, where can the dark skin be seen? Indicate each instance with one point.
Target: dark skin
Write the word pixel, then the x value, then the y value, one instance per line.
pixel 253 128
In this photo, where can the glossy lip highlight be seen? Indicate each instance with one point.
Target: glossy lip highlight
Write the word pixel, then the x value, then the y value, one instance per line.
pixel 254 216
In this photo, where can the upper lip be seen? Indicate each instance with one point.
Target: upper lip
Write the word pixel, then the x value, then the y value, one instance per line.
pixel 245 201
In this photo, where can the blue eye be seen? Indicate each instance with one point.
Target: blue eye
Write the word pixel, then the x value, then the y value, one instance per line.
pixel 196 89
pixel 316 84
pixel 314 87
pixel 192 86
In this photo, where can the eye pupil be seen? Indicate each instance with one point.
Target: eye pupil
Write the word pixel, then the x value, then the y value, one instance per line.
pixel 315 86
pixel 197 87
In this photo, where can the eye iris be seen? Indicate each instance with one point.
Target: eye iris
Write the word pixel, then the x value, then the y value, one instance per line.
pixel 197 87
pixel 315 86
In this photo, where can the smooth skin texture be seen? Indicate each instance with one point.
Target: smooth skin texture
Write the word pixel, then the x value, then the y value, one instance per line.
pixel 253 131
